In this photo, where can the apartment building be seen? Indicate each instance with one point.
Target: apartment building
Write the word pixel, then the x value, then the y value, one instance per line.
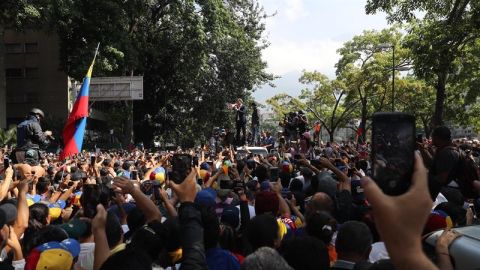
pixel 33 76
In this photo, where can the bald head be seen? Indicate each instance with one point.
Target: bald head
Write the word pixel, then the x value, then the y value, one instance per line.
pixel 25 170
pixel 320 202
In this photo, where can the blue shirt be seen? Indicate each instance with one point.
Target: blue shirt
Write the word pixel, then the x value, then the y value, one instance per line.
pixel 221 259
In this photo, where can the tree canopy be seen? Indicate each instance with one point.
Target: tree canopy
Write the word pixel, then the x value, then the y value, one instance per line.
pixel 194 55
pixel 439 33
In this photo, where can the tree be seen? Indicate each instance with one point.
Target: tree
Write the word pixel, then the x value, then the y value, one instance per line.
pixel 463 88
pixel 8 136
pixel 194 56
pixel 416 97
pixel 436 41
pixel 282 104
pixel 365 69
pixel 326 101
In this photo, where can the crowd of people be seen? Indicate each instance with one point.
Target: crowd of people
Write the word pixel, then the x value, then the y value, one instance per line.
pixel 232 210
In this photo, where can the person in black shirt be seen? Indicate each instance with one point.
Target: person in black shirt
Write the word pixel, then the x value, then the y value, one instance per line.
pixel 30 137
pixel 443 161
pixel 255 125
pixel 240 121
pixel 302 122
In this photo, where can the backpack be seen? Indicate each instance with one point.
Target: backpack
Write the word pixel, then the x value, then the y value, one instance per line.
pixel 465 172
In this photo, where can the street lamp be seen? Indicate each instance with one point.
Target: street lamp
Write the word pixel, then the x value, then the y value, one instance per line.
pixel 392 46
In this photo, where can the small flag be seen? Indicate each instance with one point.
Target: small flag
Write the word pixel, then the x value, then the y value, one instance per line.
pixel 77 120
pixel 359 133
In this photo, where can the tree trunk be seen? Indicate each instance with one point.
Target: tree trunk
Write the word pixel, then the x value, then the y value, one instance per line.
pixel 330 135
pixel 426 127
pixel 363 124
pixel 437 119
pixel 3 81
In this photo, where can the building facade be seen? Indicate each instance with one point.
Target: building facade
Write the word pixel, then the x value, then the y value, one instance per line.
pixel 33 76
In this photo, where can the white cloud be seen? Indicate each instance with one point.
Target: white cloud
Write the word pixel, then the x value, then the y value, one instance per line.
pixel 305 35
pixel 286 56
pixel 294 9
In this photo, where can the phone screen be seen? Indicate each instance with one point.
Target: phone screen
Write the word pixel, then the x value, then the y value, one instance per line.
pixel 195 161
pixel 273 174
pixel 181 166
pixel 133 175
pixel 393 146
pixel 6 162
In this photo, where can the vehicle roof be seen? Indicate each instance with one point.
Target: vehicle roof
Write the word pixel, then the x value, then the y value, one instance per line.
pixel 250 148
pixel 466 249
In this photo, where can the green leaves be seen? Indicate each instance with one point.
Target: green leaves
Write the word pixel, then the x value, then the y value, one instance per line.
pixel 436 41
pixel 194 55
pixel 23 13
pixel 283 103
pixel 8 136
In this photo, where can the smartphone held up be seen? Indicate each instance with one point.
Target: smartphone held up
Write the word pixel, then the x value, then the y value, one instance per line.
pixel 181 166
pixel 6 162
pixel 274 174
pixel 393 151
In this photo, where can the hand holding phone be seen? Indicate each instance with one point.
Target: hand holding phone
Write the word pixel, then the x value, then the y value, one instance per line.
pixel 195 161
pixel 133 175
pixel 186 191
pixel 181 167
pixel 274 174
pixel 6 162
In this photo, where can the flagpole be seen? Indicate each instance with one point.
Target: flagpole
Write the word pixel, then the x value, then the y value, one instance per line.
pixel 91 66
pixel 96 52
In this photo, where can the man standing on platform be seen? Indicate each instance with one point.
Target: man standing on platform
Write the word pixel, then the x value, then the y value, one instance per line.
pixel 255 125
pixel 240 121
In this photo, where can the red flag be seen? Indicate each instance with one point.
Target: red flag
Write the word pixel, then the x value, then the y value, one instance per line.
pixel 359 133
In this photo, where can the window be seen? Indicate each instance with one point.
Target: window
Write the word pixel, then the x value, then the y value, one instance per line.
pixel 31 47
pixel 31 72
pixel 14 73
pixel 13 47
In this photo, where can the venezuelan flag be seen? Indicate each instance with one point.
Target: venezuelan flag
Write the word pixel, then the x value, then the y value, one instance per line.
pixel 77 120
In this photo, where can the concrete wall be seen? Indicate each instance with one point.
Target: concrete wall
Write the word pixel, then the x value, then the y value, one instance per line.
pixel 41 84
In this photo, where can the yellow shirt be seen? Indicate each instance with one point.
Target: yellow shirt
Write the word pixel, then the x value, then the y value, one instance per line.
pixel 118 248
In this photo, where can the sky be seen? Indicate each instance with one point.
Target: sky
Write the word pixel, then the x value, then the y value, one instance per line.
pixel 305 35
